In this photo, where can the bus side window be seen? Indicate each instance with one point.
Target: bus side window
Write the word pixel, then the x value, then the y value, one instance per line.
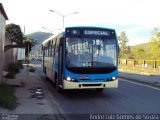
pixel 53 48
pixel 61 41
pixel 46 51
pixel 49 48
pixel 56 48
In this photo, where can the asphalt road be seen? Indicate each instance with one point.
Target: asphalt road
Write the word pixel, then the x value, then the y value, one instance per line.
pixel 129 98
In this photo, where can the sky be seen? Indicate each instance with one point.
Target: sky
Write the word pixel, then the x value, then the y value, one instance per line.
pixel 136 17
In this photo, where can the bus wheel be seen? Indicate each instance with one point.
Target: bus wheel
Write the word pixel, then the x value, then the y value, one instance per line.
pixel 58 89
pixel 99 89
pixel 47 78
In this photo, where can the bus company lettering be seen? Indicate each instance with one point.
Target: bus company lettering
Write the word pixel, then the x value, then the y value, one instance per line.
pixel 91 32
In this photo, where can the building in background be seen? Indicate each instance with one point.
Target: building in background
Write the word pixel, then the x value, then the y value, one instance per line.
pixel 3 18
pixel 12 52
pixel 8 54
pixel 21 54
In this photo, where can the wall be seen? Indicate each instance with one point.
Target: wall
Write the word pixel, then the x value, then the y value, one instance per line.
pixel 8 55
pixel 2 39
pixel 3 18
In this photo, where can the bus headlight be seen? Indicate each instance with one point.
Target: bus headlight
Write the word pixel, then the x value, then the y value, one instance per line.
pixel 114 78
pixel 69 79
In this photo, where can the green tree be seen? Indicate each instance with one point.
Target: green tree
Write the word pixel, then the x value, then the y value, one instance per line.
pixel 122 41
pixel 14 33
pixel 155 43
pixel 139 53
pixel 128 54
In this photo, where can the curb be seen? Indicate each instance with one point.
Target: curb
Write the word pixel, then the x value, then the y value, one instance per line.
pixel 153 84
pixel 61 114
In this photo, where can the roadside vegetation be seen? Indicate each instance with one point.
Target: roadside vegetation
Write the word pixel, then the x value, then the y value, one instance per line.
pixel 139 70
pixel 15 34
pixel 13 69
pixel 143 58
pixel 147 51
pixel 7 97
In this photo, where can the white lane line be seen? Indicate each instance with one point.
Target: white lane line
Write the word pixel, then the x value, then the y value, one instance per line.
pixel 140 84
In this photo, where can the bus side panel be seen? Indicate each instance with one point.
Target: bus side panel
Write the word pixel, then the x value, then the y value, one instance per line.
pixel 55 60
pixel 48 63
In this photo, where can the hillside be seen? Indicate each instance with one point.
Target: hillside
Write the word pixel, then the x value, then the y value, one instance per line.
pixel 39 36
pixel 144 46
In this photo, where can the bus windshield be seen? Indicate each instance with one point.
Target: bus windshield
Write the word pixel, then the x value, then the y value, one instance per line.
pixel 91 52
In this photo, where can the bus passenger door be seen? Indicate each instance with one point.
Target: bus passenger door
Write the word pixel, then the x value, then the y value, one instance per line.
pixel 43 52
pixel 60 62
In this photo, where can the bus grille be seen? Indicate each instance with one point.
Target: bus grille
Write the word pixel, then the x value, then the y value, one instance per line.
pixel 87 85
pixel 99 79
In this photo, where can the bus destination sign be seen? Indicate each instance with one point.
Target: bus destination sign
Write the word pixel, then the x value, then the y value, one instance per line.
pixel 96 32
pixel 90 32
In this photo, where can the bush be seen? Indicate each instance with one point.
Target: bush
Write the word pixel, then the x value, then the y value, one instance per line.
pixel 13 68
pixel 7 97
pixel 20 64
pixel 11 74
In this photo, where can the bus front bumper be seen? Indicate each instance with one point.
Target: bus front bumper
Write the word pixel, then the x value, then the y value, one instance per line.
pixel 87 85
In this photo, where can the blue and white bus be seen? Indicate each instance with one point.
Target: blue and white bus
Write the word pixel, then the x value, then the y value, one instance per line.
pixel 82 58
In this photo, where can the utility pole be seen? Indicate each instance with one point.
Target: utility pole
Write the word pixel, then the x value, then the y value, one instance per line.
pixel 27 55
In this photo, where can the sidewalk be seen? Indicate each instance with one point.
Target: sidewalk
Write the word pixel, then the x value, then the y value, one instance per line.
pixel 152 80
pixel 32 96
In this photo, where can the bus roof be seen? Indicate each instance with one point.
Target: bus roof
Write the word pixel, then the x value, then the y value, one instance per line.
pixel 51 37
pixel 92 27
pixel 46 40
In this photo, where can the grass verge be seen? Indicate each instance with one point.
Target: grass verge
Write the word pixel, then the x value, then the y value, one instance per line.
pixel 7 98
pixel 140 70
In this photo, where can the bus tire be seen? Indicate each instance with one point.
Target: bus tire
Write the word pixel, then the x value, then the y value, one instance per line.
pixel 99 89
pixel 47 78
pixel 58 89
pixel 44 70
